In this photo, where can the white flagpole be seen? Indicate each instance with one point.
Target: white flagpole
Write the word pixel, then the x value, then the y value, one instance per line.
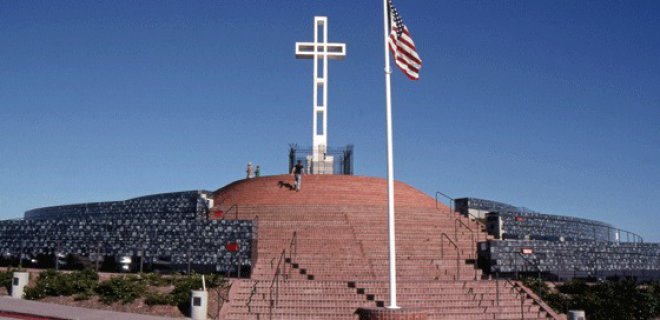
pixel 390 164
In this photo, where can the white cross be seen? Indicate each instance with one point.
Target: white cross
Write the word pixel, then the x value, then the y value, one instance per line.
pixel 320 48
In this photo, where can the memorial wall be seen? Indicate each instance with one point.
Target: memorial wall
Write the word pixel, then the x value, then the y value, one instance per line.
pixel 574 259
pixel 559 247
pixel 171 229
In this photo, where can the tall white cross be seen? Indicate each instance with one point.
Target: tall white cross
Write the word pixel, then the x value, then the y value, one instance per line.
pixel 320 51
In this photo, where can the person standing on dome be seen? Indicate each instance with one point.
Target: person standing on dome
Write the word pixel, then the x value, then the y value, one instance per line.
pixel 297 170
pixel 250 173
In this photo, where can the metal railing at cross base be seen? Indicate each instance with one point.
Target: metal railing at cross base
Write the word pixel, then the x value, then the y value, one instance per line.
pixel 325 161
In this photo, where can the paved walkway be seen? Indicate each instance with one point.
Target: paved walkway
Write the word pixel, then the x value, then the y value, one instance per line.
pixel 56 311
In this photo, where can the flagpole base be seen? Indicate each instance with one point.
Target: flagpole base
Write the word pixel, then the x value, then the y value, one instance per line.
pixel 392 314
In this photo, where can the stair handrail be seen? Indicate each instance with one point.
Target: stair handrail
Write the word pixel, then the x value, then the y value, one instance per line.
pixel 452 203
pixel 523 290
pixel 534 264
pixel 451 200
pixel 274 283
pixel 255 241
pixel 253 291
pixel 529 262
pixel 452 207
pixel 474 234
pixel 234 206
pixel 293 249
pixel 458 254
pixel 460 222
pixel 293 245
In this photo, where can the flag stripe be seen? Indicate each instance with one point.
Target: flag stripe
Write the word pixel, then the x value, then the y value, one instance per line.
pixel 408 49
pixel 404 66
pixel 407 41
pixel 410 55
pixel 402 46
pixel 403 51
pixel 408 65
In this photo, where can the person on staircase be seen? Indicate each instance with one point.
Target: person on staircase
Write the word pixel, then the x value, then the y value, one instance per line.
pixel 297 170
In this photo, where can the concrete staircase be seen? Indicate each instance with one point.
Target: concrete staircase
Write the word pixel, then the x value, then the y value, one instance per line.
pixel 321 253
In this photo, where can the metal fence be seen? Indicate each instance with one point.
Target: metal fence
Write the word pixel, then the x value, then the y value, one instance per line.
pixel 323 160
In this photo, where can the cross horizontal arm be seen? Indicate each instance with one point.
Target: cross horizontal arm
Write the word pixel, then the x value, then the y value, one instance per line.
pixel 306 50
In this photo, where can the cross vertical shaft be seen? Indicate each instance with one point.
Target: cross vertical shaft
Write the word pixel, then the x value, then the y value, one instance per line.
pixel 320 51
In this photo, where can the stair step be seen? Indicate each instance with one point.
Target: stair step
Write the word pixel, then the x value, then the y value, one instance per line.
pixel 341 253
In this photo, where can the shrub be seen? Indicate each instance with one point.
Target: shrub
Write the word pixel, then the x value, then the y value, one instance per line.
pixel 153 299
pixel 53 283
pixel 49 283
pixel 537 285
pixel 82 296
pixel 556 301
pixel 83 282
pixel 654 290
pixel 125 289
pixel 622 299
pixel 155 280
pixel 6 279
pixel 576 286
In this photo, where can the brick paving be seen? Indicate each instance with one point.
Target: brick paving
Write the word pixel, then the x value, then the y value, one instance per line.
pixel 334 237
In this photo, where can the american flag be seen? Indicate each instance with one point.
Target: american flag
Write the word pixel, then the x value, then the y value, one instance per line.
pixel 402 46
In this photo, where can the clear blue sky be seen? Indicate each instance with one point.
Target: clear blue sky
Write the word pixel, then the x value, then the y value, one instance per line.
pixel 552 105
